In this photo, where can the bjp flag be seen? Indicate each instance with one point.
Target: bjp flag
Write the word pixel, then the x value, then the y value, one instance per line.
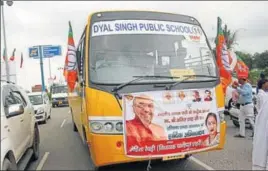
pixel 71 61
pixel 222 56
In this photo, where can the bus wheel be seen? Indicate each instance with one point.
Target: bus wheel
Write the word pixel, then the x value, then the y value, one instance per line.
pixel 74 127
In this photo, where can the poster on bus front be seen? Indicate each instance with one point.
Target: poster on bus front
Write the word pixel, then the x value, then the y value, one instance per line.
pixel 165 123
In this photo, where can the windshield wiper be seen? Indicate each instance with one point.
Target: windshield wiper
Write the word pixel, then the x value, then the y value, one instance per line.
pixel 168 87
pixel 138 78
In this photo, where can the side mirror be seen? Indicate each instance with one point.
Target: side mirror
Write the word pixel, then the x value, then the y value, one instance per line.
pixel 14 110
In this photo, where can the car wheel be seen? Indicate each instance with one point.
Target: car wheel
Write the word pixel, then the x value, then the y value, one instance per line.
pixel 7 165
pixel 236 123
pixel 49 115
pixel 36 142
pixel 45 121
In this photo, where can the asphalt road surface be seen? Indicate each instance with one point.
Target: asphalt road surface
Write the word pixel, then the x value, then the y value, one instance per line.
pixel 62 149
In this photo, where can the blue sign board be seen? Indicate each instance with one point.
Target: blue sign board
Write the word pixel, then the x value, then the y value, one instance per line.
pixel 34 52
pixel 50 51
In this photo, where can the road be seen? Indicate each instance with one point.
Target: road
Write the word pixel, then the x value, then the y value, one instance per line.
pixel 62 149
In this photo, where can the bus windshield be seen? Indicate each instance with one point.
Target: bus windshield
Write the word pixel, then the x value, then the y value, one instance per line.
pixel 122 49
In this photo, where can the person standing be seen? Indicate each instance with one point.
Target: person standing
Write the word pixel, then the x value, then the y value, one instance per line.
pixel 235 94
pixel 246 106
pixel 263 87
pixel 262 78
pixel 260 140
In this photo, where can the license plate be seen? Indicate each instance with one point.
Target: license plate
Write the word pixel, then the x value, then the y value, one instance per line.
pixel 173 157
pixel 60 102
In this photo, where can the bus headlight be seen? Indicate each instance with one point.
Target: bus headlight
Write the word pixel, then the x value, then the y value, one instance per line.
pixel 119 126
pixel 106 126
pixel 96 126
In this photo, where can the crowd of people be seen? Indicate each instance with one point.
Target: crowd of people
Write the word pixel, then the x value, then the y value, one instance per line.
pixel 243 97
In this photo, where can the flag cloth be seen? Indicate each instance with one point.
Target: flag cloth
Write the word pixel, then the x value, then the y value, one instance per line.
pixel 70 61
pixel 4 54
pixel 223 58
pixel 232 59
pixel 65 67
pixel 12 58
pixel 241 68
pixel 21 60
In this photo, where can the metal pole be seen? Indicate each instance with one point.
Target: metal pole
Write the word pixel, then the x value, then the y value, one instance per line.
pixel 42 69
pixel 49 68
pixel 5 43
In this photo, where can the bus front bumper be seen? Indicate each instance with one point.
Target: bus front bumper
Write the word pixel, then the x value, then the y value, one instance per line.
pixel 109 149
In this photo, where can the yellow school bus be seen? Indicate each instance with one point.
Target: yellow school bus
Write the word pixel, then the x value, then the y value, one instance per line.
pixel 165 51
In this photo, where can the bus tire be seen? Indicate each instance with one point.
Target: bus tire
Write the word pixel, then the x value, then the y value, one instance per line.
pixel 74 126
pixel 95 168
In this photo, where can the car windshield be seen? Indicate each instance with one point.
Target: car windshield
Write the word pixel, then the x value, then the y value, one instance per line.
pixel 36 99
pixel 59 89
pixel 118 55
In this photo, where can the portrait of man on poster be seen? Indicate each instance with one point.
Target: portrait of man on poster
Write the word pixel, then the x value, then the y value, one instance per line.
pixel 141 129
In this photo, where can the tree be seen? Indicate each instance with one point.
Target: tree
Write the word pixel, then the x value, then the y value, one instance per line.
pixel 254 76
pixel 261 60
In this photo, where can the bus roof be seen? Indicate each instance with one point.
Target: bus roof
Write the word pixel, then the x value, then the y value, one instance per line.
pixel 136 14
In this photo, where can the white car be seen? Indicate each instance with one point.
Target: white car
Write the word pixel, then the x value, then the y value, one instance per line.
pixel 19 131
pixel 42 106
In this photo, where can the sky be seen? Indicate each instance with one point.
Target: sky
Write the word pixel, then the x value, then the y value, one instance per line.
pixel 31 23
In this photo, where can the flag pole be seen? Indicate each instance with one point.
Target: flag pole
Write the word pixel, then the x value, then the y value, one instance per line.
pixel 5 43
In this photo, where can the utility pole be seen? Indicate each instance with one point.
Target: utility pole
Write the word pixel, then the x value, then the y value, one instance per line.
pixel 41 67
pixel 9 3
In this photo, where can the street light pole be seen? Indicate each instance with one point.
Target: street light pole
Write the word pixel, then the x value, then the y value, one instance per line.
pixel 5 43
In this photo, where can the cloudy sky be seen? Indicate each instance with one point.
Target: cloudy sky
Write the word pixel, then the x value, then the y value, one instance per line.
pixel 32 23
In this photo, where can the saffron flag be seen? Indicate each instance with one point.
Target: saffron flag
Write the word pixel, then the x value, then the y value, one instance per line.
pixel 223 58
pixel 12 58
pixel 241 68
pixel 65 67
pixel 21 60
pixel 70 61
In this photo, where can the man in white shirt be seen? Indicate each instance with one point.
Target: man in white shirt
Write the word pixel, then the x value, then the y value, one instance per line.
pixel 260 140
pixel 263 87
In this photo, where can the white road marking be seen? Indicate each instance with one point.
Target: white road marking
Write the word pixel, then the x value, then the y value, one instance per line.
pixel 63 123
pixel 201 163
pixel 42 162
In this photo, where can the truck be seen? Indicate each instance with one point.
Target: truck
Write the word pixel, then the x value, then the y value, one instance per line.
pixel 59 95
